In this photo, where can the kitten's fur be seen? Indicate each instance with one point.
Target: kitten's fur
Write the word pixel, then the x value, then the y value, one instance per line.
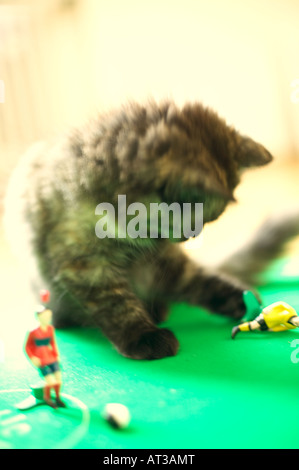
pixel 150 153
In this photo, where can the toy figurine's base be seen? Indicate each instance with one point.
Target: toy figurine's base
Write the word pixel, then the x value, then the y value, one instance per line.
pixel 29 403
pixel 38 391
pixel 35 399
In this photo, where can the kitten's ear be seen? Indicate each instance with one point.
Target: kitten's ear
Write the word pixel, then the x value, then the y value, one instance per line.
pixel 250 153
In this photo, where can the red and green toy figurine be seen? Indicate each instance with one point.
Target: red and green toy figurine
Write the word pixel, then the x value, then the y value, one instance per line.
pixel 278 316
pixel 42 351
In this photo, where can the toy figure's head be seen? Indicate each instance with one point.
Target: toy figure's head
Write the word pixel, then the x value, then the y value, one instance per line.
pixel 44 296
pixel 44 315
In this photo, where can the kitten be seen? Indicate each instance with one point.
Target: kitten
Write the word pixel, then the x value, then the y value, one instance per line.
pixel 152 153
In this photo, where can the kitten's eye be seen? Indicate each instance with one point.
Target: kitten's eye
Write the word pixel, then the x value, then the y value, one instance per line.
pixel 181 195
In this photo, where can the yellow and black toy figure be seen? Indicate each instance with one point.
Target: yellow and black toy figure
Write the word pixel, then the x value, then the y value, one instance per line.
pixel 278 316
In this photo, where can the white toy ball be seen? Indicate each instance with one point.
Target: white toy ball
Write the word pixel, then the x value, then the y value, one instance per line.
pixel 117 415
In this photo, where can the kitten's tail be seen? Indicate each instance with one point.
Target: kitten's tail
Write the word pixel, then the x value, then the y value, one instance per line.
pixel 267 243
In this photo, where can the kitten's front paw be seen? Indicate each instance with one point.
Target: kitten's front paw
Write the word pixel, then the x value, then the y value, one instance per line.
pixel 154 344
pixel 229 302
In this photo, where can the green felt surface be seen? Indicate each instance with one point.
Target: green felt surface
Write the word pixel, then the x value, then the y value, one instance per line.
pixel 216 393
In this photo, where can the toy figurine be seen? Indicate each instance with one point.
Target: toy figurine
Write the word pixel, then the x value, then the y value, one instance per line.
pixel 278 316
pixel 42 351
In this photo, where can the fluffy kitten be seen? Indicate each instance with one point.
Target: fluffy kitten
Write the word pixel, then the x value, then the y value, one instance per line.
pixel 152 153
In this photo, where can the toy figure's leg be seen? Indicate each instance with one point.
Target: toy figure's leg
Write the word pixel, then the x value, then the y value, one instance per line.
pixel 294 321
pixel 50 383
pixel 247 326
pixel 257 324
pixel 57 387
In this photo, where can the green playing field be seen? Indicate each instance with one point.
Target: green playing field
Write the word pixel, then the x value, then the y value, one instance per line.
pixel 216 393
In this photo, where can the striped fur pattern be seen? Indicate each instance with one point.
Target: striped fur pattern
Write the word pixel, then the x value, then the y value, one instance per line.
pixel 150 153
